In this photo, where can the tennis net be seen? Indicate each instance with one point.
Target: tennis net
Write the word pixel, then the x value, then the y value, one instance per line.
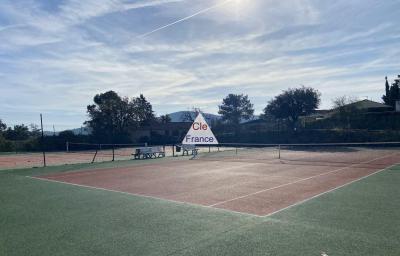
pixel 102 152
pixel 333 153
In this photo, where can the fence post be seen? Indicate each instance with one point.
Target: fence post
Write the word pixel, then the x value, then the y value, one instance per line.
pixel 173 150
pixel 67 146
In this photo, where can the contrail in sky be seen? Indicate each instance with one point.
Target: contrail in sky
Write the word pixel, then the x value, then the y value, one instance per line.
pixel 186 18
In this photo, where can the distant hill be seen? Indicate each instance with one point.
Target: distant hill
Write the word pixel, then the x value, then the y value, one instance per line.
pixel 49 133
pixel 184 116
pixel 76 131
pixel 81 131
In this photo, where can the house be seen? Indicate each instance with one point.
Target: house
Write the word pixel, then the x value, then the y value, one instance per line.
pixel 365 106
pixel 370 106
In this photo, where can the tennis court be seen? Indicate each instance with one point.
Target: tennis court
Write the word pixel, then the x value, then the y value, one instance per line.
pixel 252 180
pixel 232 200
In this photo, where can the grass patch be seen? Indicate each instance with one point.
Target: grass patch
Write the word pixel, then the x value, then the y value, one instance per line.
pixel 45 218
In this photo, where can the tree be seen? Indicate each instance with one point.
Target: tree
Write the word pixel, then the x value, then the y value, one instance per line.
pixel 18 132
pixel 345 110
pixel 164 119
pixel 236 107
pixel 143 110
pixel 111 116
pixel 3 126
pixel 392 92
pixel 35 130
pixel 67 135
pixel 343 102
pixel 293 103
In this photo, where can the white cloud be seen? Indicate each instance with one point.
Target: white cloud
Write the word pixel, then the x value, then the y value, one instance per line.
pixel 56 61
pixel 148 3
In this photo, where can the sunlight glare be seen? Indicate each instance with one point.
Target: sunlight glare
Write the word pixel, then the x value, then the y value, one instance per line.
pixel 239 8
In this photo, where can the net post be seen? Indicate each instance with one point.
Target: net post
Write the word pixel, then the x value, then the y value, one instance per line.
pixel 113 152
pixel 94 157
pixel 43 148
pixel 279 151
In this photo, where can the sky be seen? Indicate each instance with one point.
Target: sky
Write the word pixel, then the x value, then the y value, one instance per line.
pixel 56 55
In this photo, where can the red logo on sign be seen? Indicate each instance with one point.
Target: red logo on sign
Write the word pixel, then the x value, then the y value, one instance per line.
pixel 199 126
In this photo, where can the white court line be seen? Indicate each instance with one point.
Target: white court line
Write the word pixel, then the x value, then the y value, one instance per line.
pixel 209 207
pixel 298 181
pixel 329 191
pixel 143 196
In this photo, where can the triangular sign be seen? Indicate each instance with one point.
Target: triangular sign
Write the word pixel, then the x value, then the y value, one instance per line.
pixel 200 133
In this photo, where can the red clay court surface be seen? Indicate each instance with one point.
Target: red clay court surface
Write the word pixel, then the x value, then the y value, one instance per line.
pixel 252 187
pixel 23 160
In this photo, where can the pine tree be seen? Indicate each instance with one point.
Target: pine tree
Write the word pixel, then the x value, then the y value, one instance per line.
pixel 392 92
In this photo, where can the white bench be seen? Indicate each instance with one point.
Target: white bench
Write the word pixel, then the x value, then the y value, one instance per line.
pixel 149 152
pixel 186 148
